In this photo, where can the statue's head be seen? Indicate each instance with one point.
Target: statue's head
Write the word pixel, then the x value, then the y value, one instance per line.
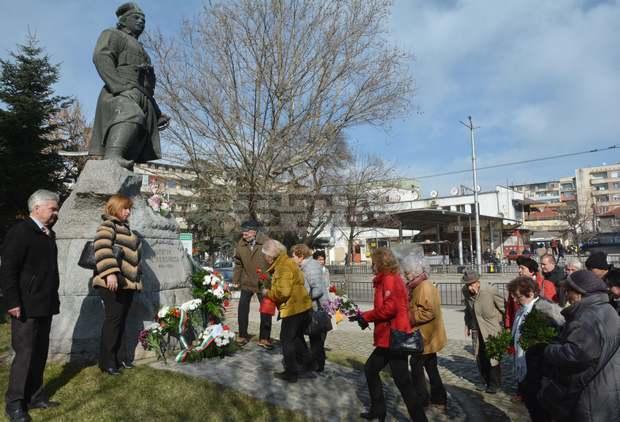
pixel 130 17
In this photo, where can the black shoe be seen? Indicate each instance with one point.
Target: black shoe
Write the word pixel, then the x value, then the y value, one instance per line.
pixel 286 376
pixel 491 390
pixel 127 365
pixel 111 371
pixel 18 415
pixel 43 404
pixel 371 416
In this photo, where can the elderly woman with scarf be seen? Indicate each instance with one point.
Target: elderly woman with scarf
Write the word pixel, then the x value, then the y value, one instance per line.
pixel 425 314
pixel 528 366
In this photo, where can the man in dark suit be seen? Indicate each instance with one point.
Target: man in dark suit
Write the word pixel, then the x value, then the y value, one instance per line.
pixel 29 281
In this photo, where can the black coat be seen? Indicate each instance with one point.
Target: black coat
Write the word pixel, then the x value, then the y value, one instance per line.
pixel 556 276
pixel 29 272
pixel 591 333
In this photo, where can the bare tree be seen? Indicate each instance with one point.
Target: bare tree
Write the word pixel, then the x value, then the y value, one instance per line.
pixel 580 225
pixel 262 90
pixel 73 134
pixel 363 193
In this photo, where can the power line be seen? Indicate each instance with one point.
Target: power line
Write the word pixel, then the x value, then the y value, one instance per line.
pixel 513 163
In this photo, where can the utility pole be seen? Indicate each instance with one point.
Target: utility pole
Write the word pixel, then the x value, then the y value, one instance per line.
pixel 471 128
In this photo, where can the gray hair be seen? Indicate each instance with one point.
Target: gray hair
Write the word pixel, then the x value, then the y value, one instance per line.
pixel 574 262
pixel 273 248
pixel 413 264
pixel 40 196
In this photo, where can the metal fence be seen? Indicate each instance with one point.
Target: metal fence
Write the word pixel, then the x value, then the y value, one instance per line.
pixel 508 268
pixel 450 293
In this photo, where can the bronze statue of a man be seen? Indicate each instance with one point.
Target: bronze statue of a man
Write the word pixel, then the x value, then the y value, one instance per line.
pixel 127 120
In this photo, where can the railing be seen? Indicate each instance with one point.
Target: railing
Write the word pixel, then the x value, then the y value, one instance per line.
pixel 509 268
pixel 433 269
pixel 450 293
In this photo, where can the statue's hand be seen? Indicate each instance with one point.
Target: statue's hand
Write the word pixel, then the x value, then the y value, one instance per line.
pixel 163 122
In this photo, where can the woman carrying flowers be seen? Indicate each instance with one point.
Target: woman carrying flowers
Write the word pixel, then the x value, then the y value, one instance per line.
pixel 528 366
pixel 390 311
pixel 294 305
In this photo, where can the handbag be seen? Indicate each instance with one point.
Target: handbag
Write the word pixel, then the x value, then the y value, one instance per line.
pixel 403 342
pixel 320 322
pixel 267 306
pixel 87 257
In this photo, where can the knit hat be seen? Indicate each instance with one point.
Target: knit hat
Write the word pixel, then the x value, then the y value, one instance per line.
pixel 249 225
pixel 470 277
pixel 585 282
pixel 529 263
pixel 597 260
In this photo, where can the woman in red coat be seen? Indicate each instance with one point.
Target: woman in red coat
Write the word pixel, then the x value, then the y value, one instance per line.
pixel 390 312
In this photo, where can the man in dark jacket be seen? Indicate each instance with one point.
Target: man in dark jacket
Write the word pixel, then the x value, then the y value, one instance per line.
pixel 597 263
pixel 585 361
pixel 613 282
pixel 552 272
pixel 248 260
pixel 29 281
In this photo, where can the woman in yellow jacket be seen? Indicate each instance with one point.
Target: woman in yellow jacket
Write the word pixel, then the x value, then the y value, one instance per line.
pixel 294 305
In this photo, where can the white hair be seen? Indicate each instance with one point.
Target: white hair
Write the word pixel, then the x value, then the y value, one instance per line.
pixel 273 248
pixel 413 264
pixel 574 262
pixel 40 196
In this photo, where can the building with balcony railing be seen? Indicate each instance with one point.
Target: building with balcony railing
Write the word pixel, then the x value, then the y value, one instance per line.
pixel 598 189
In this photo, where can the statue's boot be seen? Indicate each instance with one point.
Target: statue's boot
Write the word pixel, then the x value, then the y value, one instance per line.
pixel 119 140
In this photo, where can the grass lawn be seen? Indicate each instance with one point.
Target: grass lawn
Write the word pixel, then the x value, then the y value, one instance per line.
pixel 141 394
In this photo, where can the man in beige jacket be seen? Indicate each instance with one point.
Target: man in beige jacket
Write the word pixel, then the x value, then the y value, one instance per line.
pixel 425 314
pixel 248 259
pixel 484 309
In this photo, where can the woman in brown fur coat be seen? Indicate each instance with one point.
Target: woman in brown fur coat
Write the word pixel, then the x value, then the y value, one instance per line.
pixel 116 280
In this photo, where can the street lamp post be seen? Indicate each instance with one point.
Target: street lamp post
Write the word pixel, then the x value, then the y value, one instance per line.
pixel 471 128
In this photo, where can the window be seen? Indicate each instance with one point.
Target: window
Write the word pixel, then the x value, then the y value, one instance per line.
pixel 615 198
pixel 615 185
pixel 614 174
pixel 599 175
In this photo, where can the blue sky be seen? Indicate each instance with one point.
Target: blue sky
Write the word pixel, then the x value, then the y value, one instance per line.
pixel 540 77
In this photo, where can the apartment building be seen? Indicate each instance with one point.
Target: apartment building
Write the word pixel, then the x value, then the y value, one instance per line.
pixel 598 189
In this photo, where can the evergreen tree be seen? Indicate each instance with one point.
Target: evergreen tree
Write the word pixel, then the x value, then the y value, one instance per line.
pixel 27 130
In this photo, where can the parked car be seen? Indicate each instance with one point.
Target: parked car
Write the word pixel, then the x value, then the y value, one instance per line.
pixel 225 268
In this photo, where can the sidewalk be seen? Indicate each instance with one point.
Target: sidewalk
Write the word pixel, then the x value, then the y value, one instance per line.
pixel 340 392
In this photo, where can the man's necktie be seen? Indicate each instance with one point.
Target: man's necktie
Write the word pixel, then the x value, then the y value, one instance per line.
pixel 45 230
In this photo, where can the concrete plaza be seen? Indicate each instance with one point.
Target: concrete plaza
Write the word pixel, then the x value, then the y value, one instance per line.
pixel 340 392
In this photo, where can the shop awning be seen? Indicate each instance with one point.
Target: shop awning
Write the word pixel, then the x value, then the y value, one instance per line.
pixel 543 236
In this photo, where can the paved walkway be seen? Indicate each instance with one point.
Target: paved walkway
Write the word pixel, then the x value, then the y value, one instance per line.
pixel 340 392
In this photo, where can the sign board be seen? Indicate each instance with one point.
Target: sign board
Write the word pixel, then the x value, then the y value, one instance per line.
pixel 187 241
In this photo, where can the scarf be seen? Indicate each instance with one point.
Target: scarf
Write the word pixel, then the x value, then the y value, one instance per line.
pixel 410 287
pixel 520 363
pixel 416 282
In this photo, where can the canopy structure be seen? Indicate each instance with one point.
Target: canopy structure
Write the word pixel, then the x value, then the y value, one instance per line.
pixel 442 225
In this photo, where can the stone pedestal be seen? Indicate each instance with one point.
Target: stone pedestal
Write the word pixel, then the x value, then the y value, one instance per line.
pixel 166 269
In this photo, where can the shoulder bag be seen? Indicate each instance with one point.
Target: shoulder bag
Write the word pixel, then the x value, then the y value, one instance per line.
pixel 320 322
pixel 403 342
pixel 87 257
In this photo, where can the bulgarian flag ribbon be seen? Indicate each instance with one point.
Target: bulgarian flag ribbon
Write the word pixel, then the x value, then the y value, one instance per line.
pixel 214 331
